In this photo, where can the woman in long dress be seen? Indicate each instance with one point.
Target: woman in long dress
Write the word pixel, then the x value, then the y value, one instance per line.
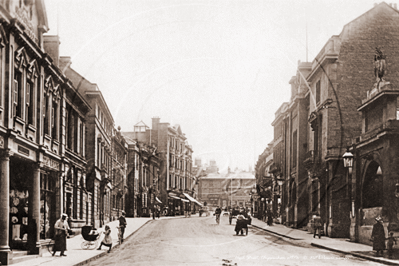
pixel 378 237
pixel 61 232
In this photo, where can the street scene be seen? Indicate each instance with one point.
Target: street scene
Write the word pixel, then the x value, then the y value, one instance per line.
pixel 201 241
pixel 179 132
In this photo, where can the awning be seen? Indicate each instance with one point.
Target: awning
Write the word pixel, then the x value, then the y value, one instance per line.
pixel 174 197
pixel 189 197
pixel 192 199
pixel 185 200
pixel 158 200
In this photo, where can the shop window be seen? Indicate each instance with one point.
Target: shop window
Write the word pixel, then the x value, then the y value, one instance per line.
pixel 47 206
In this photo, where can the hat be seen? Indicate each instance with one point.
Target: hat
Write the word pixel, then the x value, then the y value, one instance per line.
pixel 123 213
pixel 378 219
pixel 64 215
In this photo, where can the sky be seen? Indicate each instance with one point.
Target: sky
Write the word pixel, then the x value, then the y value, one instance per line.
pixel 219 69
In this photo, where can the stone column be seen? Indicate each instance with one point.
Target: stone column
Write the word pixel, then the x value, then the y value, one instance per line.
pixel 34 205
pixel 5 252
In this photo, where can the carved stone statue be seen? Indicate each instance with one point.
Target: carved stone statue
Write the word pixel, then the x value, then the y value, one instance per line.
pixel 380 66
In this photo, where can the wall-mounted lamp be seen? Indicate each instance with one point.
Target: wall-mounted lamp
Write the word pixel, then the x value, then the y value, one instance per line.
pixel 348 161
pixel 280 181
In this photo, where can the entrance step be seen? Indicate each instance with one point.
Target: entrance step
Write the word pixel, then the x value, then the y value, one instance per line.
pixel 21 255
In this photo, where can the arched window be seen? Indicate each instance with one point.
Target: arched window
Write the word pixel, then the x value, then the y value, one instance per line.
pixel 372 194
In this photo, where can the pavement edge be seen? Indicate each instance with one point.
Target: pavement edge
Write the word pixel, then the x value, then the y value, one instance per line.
pixel 275 233
pixel 383 261
pixel 115 246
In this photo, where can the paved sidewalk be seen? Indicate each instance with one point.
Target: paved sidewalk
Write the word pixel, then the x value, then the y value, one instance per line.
pixel 341 245
pixel 77 256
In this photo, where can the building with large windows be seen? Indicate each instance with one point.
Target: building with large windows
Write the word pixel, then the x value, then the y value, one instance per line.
pixel 175 186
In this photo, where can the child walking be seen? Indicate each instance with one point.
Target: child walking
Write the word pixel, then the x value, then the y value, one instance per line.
pixel 391 241
pixel 107 241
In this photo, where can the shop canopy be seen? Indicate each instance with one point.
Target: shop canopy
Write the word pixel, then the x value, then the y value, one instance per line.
pixel 185 200
pixel 158 200
pixel 192 199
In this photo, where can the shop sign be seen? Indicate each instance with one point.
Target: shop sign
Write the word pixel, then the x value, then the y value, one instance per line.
pixel 53 164
pixel 23 150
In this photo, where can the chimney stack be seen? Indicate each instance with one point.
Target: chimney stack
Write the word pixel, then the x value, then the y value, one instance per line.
pixel 155 122
pixel 51 46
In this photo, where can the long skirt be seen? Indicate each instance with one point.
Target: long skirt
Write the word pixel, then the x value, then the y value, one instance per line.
pixel 240 224
pixel 60 242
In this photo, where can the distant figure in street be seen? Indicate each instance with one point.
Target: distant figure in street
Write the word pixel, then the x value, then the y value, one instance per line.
pixel 61 232
pixel 269 218
pixel 107 241
pixel 391 240
pixel 378 237
pixel 122 224
pixel 154 210
pixel 158 211
pixel 317 225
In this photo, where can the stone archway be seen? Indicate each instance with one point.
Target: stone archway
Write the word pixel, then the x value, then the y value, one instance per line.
pixel 372 187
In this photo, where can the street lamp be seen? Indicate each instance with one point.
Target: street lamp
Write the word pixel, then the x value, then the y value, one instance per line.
pixel 348 161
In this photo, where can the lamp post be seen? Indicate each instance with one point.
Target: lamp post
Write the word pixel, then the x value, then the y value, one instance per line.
pixel 280 183
pixel 348 163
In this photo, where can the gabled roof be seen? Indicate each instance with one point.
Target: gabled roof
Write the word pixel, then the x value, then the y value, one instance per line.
pixel 364 14
pixel 141 124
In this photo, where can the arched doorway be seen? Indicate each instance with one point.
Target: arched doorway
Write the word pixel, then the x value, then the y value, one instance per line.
pixel 372 189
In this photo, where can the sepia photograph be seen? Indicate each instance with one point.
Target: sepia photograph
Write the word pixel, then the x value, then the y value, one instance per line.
pixel 199 132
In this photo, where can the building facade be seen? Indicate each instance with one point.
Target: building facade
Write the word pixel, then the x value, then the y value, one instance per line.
pixel 227 190
pixel 168 146
pixel 99 131
pixel 119 188
pixel 327 93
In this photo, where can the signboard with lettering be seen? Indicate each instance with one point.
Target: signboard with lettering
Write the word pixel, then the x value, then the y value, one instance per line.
pixel 51 163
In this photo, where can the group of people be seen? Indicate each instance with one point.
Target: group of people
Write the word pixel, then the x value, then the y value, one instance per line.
pixel 156 212
pixel 62 229
pixel 378 238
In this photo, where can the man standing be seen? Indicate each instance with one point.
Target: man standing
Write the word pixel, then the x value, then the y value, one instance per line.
pixel 61 232
pixel 317 225
pixel 122 224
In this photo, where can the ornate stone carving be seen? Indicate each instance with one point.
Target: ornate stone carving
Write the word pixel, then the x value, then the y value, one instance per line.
pixel 23 14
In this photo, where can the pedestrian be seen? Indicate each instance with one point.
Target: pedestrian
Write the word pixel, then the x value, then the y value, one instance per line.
pixel 391 240
pixel 122 224
pixel 378 237
pixel 317 225
pixel 61 232
pixel 158 211
pixel 107 240
pixel 264 217
pixel 269 218
pixel 153 212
